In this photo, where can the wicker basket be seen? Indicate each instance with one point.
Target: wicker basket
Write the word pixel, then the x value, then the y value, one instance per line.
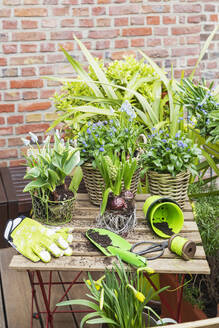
pixel 95 184
pixel 52 212
pixel 169 186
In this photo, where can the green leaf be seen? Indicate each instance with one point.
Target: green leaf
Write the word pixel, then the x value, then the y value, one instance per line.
pixel 80 302
pixel 98 71
pixel 91 109
pixel 206 45
pixel 105 200
pixel 71 162
pixel 87 317
pixel 211 162
pixel 76 179
pixel 39 183
pixel 32 173
pixel 102 320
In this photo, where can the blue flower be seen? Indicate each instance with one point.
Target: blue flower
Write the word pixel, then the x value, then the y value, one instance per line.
pixel 167 135
pixel 177 135
pixel 88 131
pixel 97 135
pixel 153 129
pixel 99 123
pixel 167 148
pixel 83 150
pixel 164 140
pixel 101 148
pixel 111 121
pixel 84 143
pixel 180 144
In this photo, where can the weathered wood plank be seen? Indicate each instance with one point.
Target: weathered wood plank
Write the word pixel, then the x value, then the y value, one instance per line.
pixel 206 323
pixel 87 263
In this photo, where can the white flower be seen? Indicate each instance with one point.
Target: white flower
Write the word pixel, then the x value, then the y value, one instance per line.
pixel 58 134
pixel 34 137
pixel 26 142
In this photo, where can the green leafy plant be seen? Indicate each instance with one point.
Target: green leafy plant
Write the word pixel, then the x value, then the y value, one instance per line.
pixel 117 299
pixel 48 165
pixel 165 154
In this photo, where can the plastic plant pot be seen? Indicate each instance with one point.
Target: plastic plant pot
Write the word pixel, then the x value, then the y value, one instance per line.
pixel 160 211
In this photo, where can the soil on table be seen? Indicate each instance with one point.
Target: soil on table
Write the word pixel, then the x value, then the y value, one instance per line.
pixel 102 240
pixel 164 227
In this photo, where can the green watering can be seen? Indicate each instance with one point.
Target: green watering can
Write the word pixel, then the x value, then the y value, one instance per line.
pixel 164 216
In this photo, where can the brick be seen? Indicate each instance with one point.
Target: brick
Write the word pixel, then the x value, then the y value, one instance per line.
pixel 17 162
pixel 193 39
pixel 3 85
pixel 186 30
pixel 60 11
pixel 28 71
pixel 137 31
pixel 153 20
pixel 30 107
pixel 96 11
pixel 169 19
pixel 28 48
pixel 51 116
pixel 29 24
pixel 9 48
pixel 9 72
pixel 2 144
pixel 121 43
pixel 5 131
pixel 4 37
pixel 62 35
pixel 103 22
pixel 5 12
pixel 83 11
pixel 212 65
pixel 14 119
pixel 47 47
pixel 68 46
pixel 31 2
pixel 30 12
pixel 124 9
pixel 68 22
pixel 2 120
pixel 188 8
pixel 137 20
pixel 18 84
pixel 123 21
pixel 157 53
pixel 137 43
pixel 121 54
pixel 15 142
pixel 30 60
pixel 102 44
pixel 49 22
pixel 194 19
pixel 3 61
pixel 28 36
pixel 55 58
pixel 108 34
pixel 9 24
pixel 30 95
pixel 12 96
pixel 11 2
pixel 192 61
pixel 153 42
pixel 71 2
pixel 6 108
pixel 210 7
pixel 24 129
pixel 161 31
pixel 47 70
pixel 185 51
pixel 86 22
pixel 34 118
pixel 8 153
pixel 151 9
pixel 214 18
pixel 45 94
pixel 50 2
pixel 170 41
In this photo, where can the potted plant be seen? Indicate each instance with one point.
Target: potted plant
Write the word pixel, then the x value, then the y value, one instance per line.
pixel 118 299
pixel 168 162
pixel 48 166
pixel 98 139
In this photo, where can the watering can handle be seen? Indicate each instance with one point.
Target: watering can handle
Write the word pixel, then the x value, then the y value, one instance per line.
pixel 131 258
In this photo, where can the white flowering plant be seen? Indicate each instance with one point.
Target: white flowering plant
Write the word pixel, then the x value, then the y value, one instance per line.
pixel 117 135
pixel 119 299
pixel 49 164
pixel 165 154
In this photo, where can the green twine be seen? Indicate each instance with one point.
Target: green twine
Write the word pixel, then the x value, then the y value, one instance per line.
pixel 177 245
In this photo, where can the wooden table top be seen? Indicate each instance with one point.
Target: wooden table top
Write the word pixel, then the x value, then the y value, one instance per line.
pixel 86 257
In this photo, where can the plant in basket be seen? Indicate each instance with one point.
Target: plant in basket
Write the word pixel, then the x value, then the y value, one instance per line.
pixel 168 162
pixel 101 138
pixel 117 211
pixel 48 166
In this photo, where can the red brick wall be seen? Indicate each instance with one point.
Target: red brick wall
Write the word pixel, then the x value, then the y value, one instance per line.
pixel 171 32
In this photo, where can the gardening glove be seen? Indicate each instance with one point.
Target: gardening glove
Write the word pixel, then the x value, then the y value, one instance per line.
pixel 35 241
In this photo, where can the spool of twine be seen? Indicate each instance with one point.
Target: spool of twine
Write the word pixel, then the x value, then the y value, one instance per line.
pixel 181 246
